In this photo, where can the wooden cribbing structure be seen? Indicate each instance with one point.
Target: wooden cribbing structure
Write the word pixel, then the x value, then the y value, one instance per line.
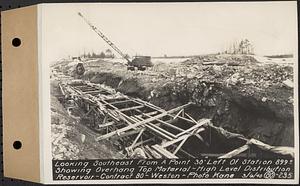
pixel 123 116
pixel 160 133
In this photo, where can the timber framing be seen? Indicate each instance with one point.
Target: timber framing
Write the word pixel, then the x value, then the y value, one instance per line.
pixel 159 133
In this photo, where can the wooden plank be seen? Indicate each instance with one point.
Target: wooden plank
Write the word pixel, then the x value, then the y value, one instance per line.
pixel 152 128
pixel 162 110
pixel 142 142
pixel 149 114
pixel 112 115
pixel 124 116
pixel 118 102
pixel 106 124
pixel 114 98
pixel 159 133
pixel 162 130
pixel 178 114
pixel 148 155
pixel 141 122
pixel 61 89
pixel 161 121
pixel 183 137
pixel 180 145
pixel 153 153
pixel 203 122
pixel 235 152
pixel 200 137
pixel 95 91
pixel 170 125
pixel 168 143
pixel 131 108
pixel 164 152
pixel 137 138
pixel 128 133
pixel 191 118
pixel 106 103
pixel 158 128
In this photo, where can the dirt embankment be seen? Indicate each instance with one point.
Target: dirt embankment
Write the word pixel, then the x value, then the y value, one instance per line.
pixel 70 139
pixel 250 100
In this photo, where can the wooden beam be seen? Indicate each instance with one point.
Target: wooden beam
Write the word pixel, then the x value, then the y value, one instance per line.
pixel 161 121
pixel 137 138
pixel 191 118
pixel 61 89
pixel 115 98
pixel 178 114
pixel 154 129
pixel 202 122
pixel 106 124
pixel 129 133
pixel 168 143
pixel 158 128
pixel 170 125
pixel 118 102
pixel 180 145
pixel 142 142
pixel 112 115
pixel 161 110
pixel 145 114
pixel 141 122
pixel 164 152
pixel 162 130
pixel 153 152
pixel 131 108
pixel 235 152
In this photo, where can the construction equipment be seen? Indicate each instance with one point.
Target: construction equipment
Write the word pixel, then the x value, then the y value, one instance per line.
pixel 75 69
pixel 139 62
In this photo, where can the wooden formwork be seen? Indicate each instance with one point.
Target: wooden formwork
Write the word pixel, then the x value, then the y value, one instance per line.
pixel 158 133
pixel 152 128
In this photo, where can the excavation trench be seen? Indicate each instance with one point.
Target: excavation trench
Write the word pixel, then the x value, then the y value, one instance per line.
pixel 227 107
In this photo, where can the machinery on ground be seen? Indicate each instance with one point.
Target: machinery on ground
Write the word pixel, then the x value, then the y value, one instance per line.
pixel 139 62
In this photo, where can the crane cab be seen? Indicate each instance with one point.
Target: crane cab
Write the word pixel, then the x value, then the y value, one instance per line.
pixel 140 63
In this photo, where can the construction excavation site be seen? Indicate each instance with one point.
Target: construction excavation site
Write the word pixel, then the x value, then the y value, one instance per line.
pixel 218 105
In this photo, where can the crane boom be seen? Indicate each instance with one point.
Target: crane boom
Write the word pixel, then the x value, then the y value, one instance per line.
pixel 113 46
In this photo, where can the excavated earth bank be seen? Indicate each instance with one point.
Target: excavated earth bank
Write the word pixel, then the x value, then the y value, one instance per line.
pixel 238 107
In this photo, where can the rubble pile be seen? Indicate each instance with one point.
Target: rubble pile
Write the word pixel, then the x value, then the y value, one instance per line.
pixel 222 59
pixel 61 132
pixel 62 146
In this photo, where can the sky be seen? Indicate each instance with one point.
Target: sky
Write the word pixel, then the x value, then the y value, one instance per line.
pixel 173 29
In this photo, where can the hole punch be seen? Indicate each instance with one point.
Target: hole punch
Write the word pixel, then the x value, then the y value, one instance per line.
pixel 17 145
pixel 16 42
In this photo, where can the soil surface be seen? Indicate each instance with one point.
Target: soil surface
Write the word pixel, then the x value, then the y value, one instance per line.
pixel 71 140
pixel 238 93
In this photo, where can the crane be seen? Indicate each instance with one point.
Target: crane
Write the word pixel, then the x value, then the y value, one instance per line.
pixel 141 62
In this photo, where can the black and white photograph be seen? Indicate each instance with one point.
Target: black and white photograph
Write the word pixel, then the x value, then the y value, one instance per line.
pixel 172 81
